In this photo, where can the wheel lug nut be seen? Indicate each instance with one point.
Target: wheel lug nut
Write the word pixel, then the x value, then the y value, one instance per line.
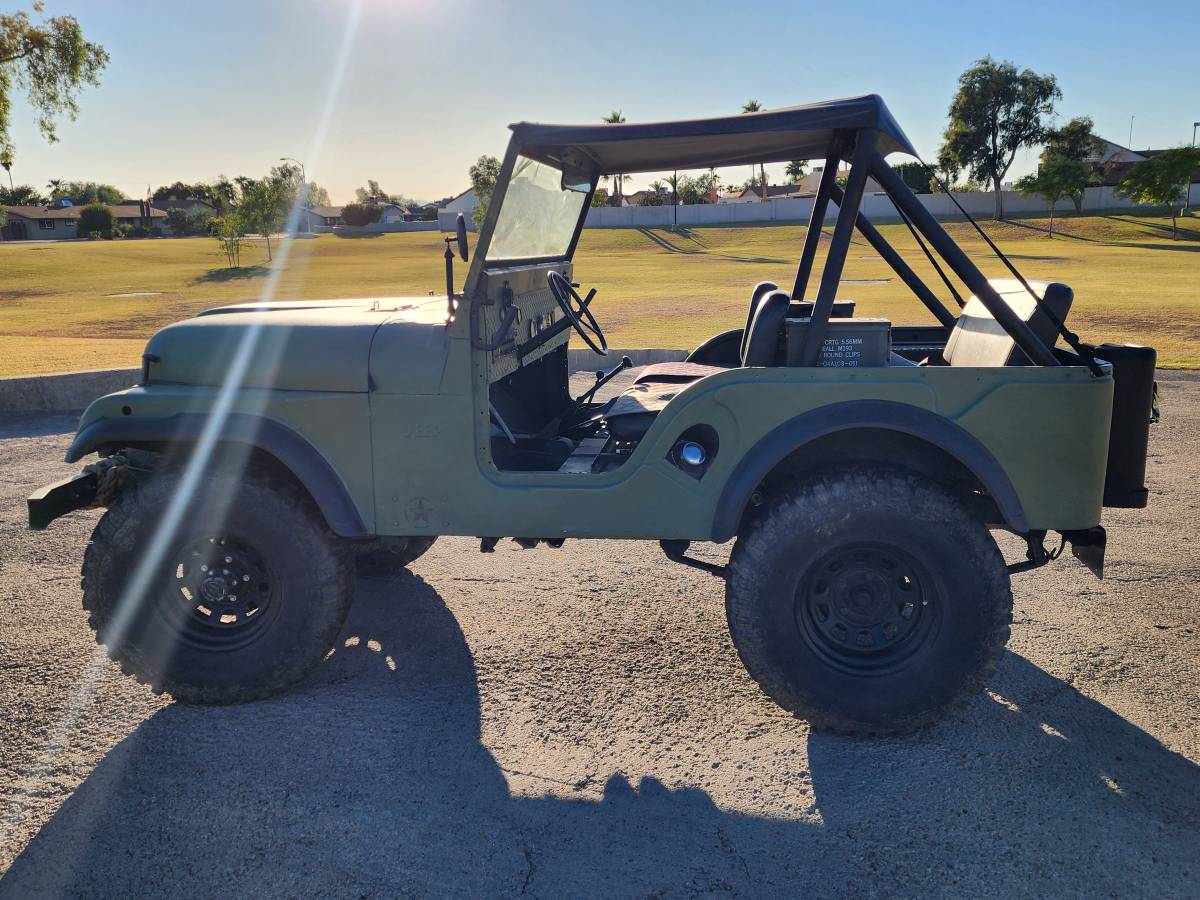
pixel 245 578
pixel 890 631
pixel 907 610
pixel 839 632
pixel 229 559
pixel 204 568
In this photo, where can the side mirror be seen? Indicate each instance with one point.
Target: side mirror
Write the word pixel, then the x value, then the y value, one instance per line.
pixel 461 227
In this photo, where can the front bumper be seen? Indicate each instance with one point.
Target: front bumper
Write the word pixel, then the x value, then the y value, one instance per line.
pixel 48 503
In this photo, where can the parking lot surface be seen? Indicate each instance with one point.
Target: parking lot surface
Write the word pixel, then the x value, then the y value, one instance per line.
pixel 576 722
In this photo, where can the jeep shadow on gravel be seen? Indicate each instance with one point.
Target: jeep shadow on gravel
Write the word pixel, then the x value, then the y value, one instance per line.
pixel 860 466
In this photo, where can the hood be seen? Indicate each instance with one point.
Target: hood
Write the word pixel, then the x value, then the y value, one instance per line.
pixel 299 345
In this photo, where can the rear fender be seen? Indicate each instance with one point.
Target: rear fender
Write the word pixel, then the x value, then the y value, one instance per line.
pixel 903 418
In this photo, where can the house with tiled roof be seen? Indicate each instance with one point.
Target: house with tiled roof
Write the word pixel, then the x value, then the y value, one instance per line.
pixel 60 220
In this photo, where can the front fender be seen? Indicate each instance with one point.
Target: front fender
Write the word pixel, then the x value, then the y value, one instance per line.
pixel 291 449
pixel 888 415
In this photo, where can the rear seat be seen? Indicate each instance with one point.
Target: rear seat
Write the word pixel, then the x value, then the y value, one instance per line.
pixel 978 340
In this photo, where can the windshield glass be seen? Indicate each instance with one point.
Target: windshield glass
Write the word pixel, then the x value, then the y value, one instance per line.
pixel 538 217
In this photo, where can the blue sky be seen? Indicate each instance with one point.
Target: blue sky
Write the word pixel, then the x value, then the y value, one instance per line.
pixel 199 89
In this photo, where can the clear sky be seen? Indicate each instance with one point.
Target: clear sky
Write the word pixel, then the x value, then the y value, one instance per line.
pixel 197 89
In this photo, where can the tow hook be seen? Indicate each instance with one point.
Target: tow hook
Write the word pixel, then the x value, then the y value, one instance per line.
pixel 1036 554
pixel 1087 546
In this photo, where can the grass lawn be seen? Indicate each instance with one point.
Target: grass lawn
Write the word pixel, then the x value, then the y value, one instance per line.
pixel 93 304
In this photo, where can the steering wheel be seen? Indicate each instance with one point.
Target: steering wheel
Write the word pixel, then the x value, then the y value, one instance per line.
pixel 575 308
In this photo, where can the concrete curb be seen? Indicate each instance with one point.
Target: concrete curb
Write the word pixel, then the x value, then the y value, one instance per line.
pixel 63 391
pixel 73 391
pixel 586 361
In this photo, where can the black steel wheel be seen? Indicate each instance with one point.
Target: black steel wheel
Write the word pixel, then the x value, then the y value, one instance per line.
pixel 217 591
pixel 246 596
pixel 866 607
pixel 868 601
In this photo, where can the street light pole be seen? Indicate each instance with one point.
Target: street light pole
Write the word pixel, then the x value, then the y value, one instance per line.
pixel 1187 188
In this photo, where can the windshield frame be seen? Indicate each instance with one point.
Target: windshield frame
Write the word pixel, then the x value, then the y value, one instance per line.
pixel 487 229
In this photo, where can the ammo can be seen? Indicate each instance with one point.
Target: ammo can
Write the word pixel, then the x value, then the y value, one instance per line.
pixel 849 343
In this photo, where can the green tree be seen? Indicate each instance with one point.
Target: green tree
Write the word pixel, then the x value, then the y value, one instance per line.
pixel 265 207
pixel 692 190
pixel 96 217
pixel 915 175
pixel 751 106
pixel 182 221
pixel 618 181
pixel 1077 141
pixel 6 163
pixel 483 175
pixel 1074 140
pixel 1055 179
pixel 1162 180
pixel 706 185
pixel 21 195
pixel 599 198
pixel 317 195
pixel 374 195
pixel 201 191
pixel 947 169
pixel 224 194
pixel 356 214
pixel 83 193
pixel 653 197
pixel 51 63
pixel 796 170
pixel 995 112
pixel 229 232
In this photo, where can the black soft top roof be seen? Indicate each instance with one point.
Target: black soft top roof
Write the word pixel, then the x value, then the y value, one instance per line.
pixel 794 132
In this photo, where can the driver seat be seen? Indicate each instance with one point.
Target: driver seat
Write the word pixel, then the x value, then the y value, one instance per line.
pixel 634 411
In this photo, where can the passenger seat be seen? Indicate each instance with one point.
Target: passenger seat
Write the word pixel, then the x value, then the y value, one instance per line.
pixel 633 412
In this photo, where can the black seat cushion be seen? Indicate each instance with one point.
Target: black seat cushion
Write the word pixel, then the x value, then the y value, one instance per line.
pixel 634 411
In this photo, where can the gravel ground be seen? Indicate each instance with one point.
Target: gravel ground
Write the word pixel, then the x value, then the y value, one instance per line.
pixel 576 722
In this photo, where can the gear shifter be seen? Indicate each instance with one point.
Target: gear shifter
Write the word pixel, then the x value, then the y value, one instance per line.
pixel 602 378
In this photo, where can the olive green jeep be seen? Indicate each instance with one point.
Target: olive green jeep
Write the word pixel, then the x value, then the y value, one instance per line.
pixel 272 448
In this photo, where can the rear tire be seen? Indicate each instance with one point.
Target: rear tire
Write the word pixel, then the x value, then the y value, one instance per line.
pixel 868 601
pixel 245 598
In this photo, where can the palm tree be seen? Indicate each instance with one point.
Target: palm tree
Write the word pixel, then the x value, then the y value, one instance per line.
pixel 615 118
pixel 6 162
pixel 796 170
pixel 751 106
pixel 55 185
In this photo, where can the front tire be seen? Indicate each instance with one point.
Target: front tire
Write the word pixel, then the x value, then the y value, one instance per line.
pixel 238 602
pixel 868 601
